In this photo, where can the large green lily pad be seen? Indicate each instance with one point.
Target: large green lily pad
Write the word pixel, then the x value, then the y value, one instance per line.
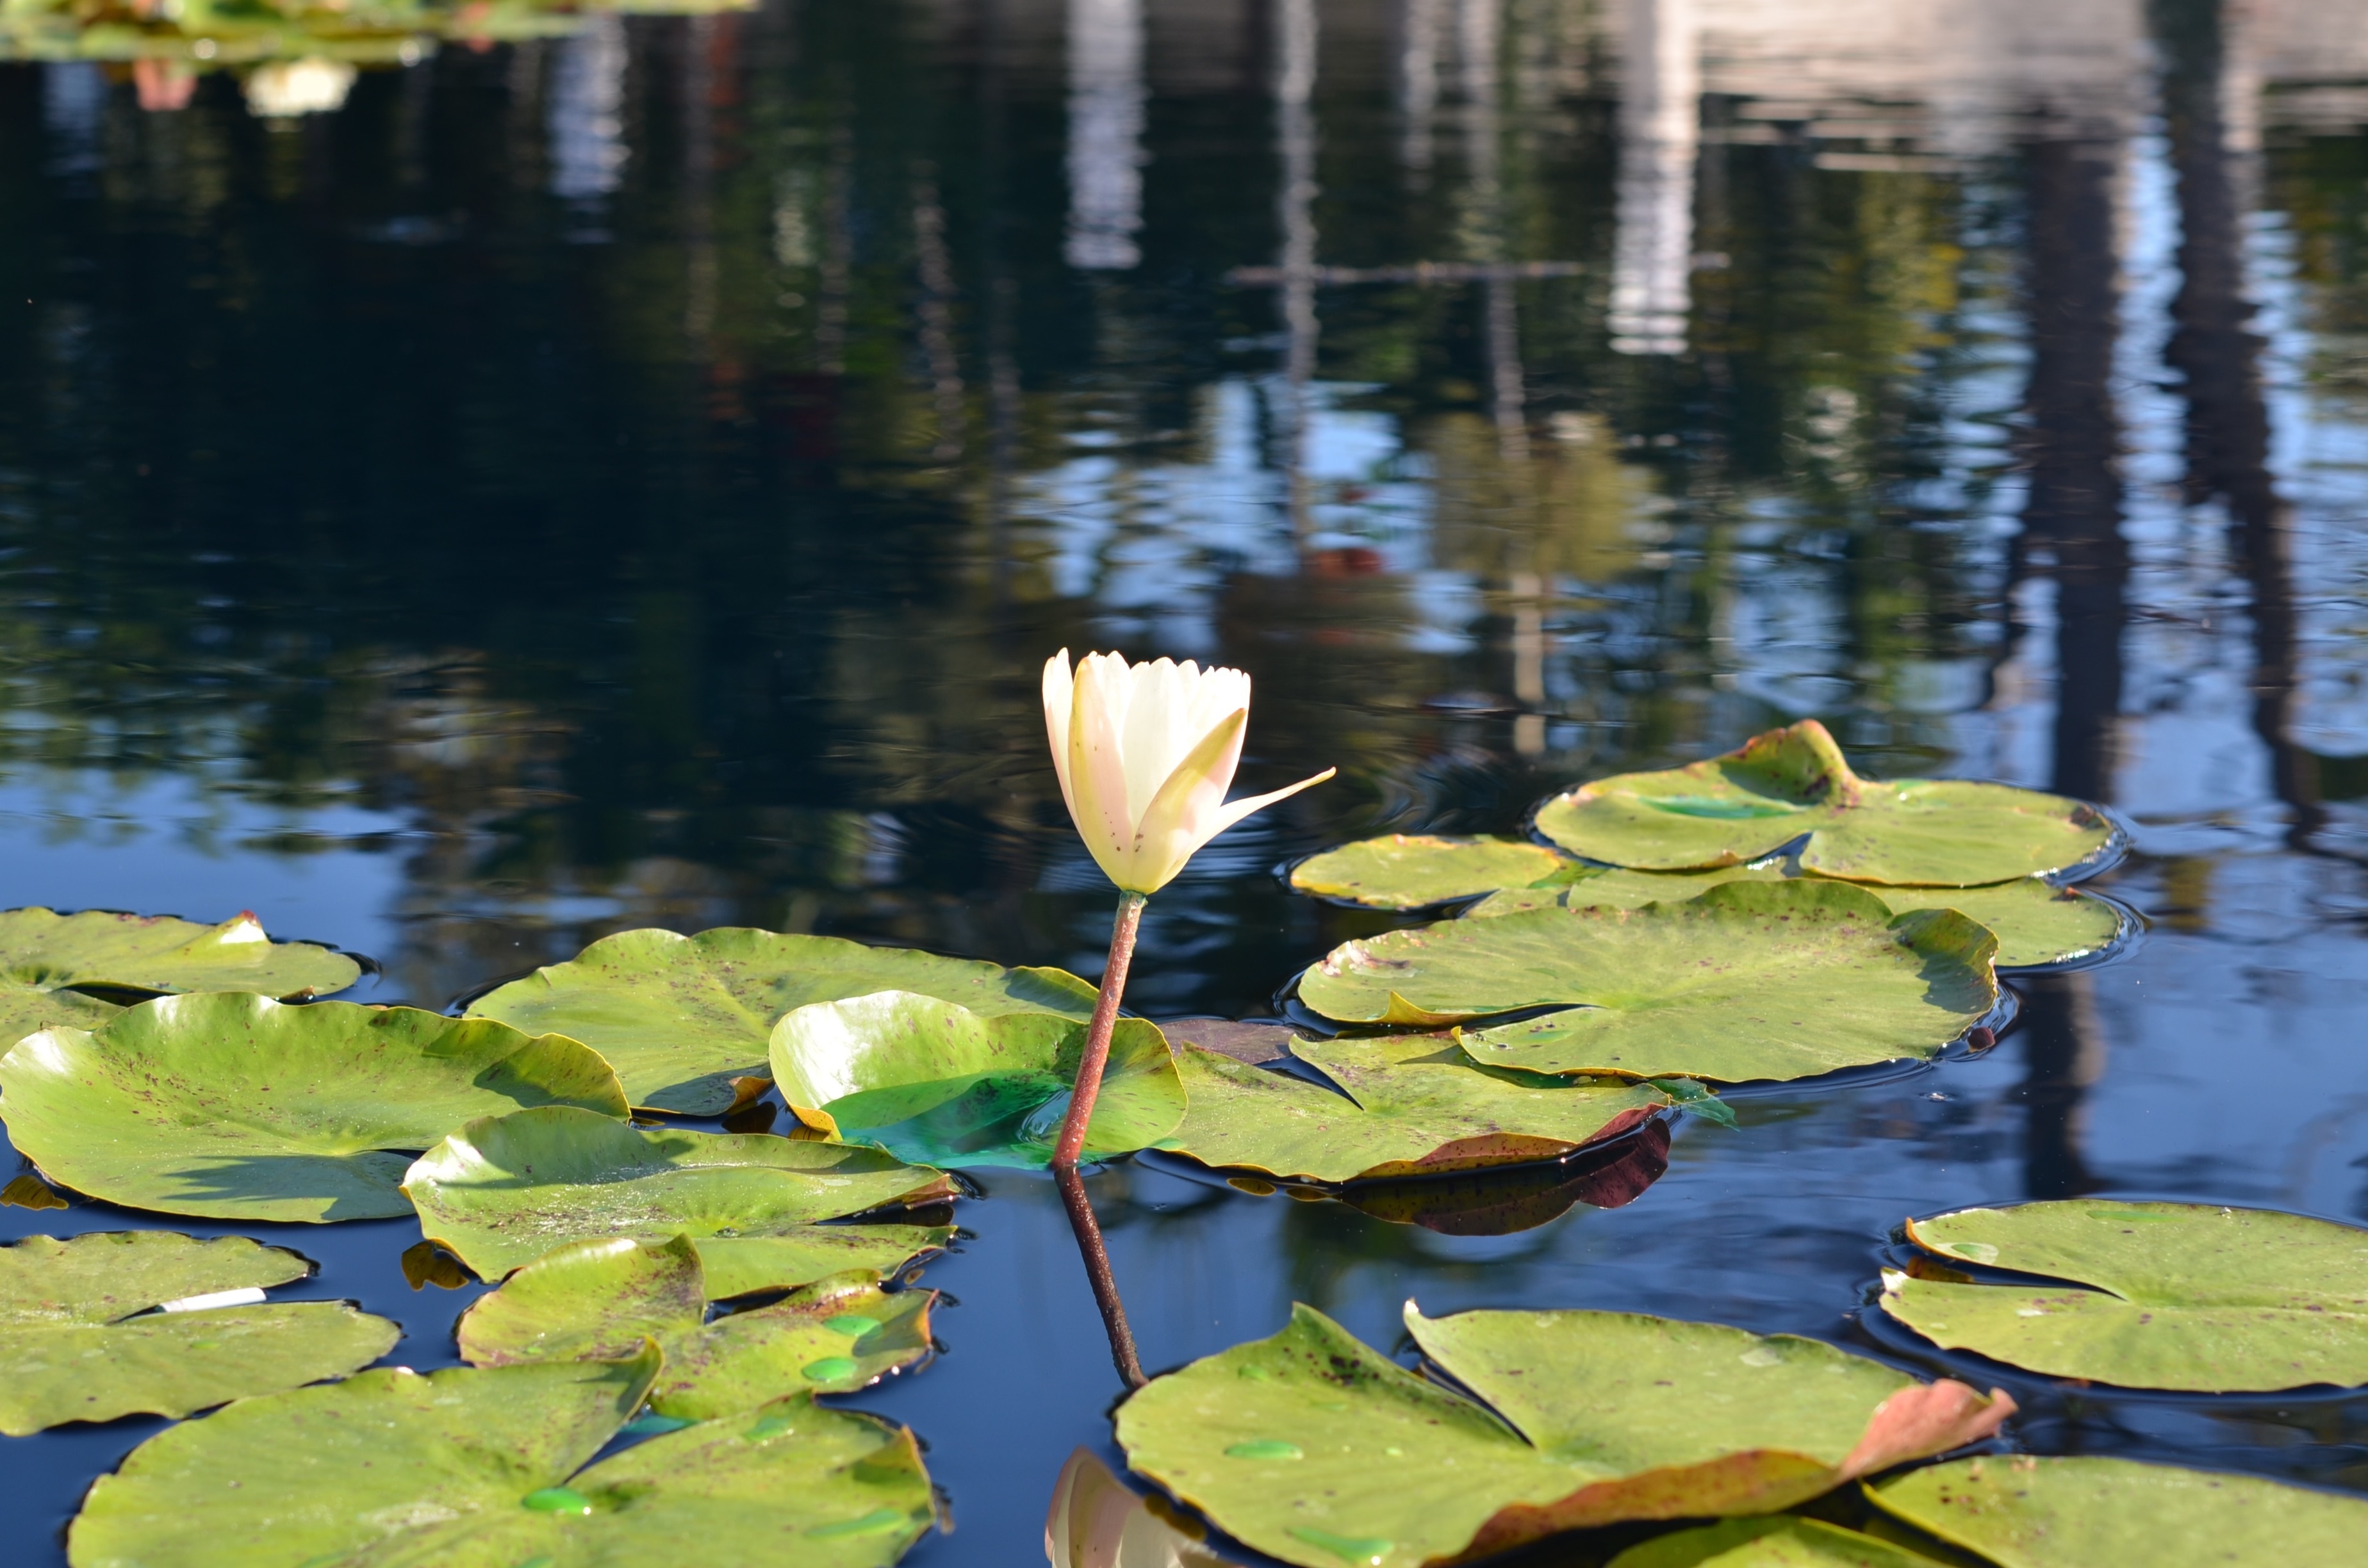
pixel 2036 922
pixel 240 1108
pixel 1781 1543
pixel 479 1468
pixel 1409 1106
pixel 1794 783
pixel 2178 1295
pixel 1416 871
pixel 74 1343
pixel 681 1017
pixel 598 1300
pixel 2083 1512
pixel 42 953
pixel 935 1083
pixel 1751 979
pixel 504 1191
pixel 1314 1448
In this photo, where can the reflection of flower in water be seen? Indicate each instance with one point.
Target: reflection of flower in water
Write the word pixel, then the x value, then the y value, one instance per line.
pixel 287 87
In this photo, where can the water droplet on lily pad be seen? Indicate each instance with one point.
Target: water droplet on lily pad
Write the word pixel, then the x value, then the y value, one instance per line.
pixel 855 1325
pixel 1348 1549
pixel 1267 1448
pixel 557 1500
pixel 872 1523
pixel 1762 1356
pixel 830 1369
pixel 770 1426
pixel 1972 1252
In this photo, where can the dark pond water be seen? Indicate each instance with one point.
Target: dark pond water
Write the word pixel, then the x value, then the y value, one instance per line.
pixel 627 470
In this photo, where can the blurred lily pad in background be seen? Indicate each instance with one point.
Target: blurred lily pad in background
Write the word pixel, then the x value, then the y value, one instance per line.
pixel 682 1018
pixel 1314 1448
pixel 1779 980
pixel 44 954
pixel 240 1108
pixel 1407 1106
pixel 2184 1296
pixel 1411 871
pixel 1794 782
pixel 79 1340
pixel 481 1466
pixel 504 1191
pixel 599 1300
pixel 935 1083
pixel 2084 1511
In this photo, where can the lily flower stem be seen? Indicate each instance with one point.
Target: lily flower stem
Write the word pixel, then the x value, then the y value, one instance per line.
pixel 1098 1034
pixel 1098 1272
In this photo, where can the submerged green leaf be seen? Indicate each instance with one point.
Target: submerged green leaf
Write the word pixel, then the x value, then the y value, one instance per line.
pixel 240 1107
pixel 478 1467
pixel 1780 979
pixel 1415 871
pixel 681 1017
pixel 2081 1511
pixel 1781 1543
pixel 1315 1450
pixel 2036 922
pixel 2179 1296
pixel 79 1343
pixel 1792 783
pixel 933 1082
pixel 600 1298
pixel 504 1191
pixel 1409 1106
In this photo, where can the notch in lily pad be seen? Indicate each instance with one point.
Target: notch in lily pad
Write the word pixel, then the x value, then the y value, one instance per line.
pixel 503 1191
pixel 598 1300
pixel 239 1108
pixel 1589 1418
pixel 2191 1297
pixel 50 963
pixel 682 1019
pixel 1748 981
pixel 1792 785
pixel 933 1082
pixel 491 1465
pixel 80 1340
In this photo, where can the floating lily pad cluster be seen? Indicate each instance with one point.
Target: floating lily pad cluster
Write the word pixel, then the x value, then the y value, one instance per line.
pixel 1768 914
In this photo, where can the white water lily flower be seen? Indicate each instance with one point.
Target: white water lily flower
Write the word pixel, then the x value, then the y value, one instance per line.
pixel 1145 754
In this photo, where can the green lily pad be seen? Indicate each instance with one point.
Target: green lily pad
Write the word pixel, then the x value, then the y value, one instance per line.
pixel 1781 1543
pixel 1794 783
pixel 240 1108
pixel 933 1082
pixel 479 1468
pixel 1314 1448
pixel 2037 923
pixel 1415 1106
pixel 1751 979
pixel 1415 870
pixel 681 1017
pixel 2179 1295
pixel 2080 1513
pixel 73 1346
pixel 504 1191
pixel 598 1300
pixel 42 953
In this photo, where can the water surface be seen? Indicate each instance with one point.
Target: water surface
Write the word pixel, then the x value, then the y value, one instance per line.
pixel 616 470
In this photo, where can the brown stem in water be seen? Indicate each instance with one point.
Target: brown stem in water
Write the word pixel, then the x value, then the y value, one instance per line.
pixel 1098 1034
pixel 1098 1270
